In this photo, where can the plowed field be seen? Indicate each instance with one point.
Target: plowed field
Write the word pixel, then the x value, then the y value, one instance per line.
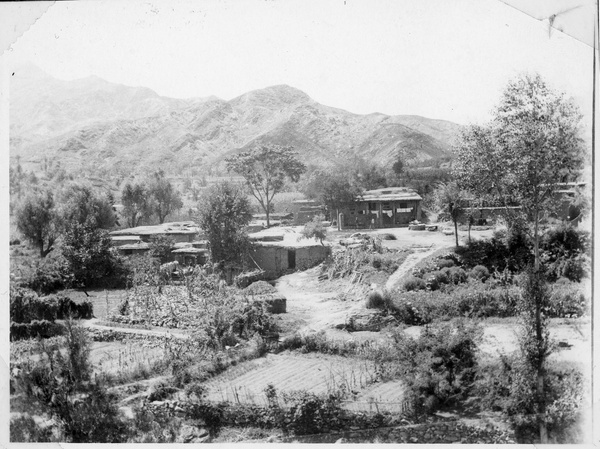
pixel 315 373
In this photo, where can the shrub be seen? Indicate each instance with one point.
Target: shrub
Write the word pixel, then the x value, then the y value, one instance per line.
pixel 375 300
pixel 508 385
pixel 27 306
pixel 440 365
pixel 47 277
pixel 61 386
pixel 23 429
pixel 309 413
pixel 211 414
pixel 564 251
pixel 567 300
pixel 43 329
pixel 444 263
pixel 479 272
pixel 457 275
pixel 414 283
pixel 315 229
pixel 492 253
pixel 473 300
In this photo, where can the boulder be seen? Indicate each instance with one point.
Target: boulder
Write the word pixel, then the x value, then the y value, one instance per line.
pixel 372 320
pixel 190 434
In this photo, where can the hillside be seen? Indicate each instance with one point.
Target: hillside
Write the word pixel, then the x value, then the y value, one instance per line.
pixel 92 124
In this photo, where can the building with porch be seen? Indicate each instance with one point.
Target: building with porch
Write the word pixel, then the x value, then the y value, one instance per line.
pixel 383 208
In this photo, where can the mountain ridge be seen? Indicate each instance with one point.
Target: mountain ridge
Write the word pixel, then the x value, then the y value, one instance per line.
pixel 91 122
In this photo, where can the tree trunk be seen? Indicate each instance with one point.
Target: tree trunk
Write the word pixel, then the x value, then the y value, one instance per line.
pixel 456 231
pixel 539 335
pixel 267 211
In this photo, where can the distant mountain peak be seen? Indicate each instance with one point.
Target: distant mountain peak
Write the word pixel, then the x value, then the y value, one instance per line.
pixel 270 95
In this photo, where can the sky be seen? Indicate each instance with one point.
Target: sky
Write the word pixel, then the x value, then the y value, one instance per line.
pixel 436 58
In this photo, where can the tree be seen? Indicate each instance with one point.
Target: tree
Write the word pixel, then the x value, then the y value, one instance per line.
pixel 265 170
pixel 531 145
pixel 451 200
pixel 334 187
pixel 37 220
pixel 136 204
pixel 161 247
pixel 314 229
pixel 89 253
pixel 166 199
pixel 81 204
pixel 224 210
pixel 398 166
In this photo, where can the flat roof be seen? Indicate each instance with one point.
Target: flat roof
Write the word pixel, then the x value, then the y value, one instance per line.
pixel 181 227
pixel 139 246
pixel 390 194
pixel 124 238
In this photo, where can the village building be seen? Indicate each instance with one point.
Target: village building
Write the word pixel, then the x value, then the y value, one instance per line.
pixel 383 208
pixel 183 231
pixel 277 253
pixel 305 210
pixel 188 250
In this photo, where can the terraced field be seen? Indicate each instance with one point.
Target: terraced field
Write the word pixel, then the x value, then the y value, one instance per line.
pixel 315 373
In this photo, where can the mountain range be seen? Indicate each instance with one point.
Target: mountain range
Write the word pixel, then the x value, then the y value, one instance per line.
pixel 92 124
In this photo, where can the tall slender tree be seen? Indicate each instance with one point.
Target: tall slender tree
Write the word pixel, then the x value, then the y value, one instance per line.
pixel 532 144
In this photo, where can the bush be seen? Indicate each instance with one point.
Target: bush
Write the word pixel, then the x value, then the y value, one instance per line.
pixel 444 263
pixel 34 329
pixel 508 385
pixel 378 300
pixel 457 275
pixel 414 283
pixel 567 300
pixel 439 366
pixel 61 386
pixel 473 300
pixel 24 429
pixel 309 413
pixel 47 277
pixel 26 306
pixel 479 272
pixel 315 229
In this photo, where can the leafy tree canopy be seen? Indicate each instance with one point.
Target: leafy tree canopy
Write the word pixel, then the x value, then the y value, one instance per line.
pixel 531 145
pixel 165 198
pixel 83 205
pixel 224 210
pixel 265 169
pixel 37 220
pixel 137 203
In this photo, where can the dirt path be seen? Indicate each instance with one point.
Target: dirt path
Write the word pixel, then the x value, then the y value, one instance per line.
pixel 413 259
pixel 310 307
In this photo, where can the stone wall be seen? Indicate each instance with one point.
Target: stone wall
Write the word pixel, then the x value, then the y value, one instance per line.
pixel 445 432
pixel 310 256
pixel 356 427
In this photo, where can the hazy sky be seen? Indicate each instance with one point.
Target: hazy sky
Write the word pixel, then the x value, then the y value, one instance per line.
pixel 436 58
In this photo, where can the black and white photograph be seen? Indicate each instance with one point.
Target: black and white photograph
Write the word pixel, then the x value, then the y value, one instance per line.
pixel 298 221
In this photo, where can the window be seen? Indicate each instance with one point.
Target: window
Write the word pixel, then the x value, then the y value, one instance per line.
pixel 403 205
pixel 372 206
